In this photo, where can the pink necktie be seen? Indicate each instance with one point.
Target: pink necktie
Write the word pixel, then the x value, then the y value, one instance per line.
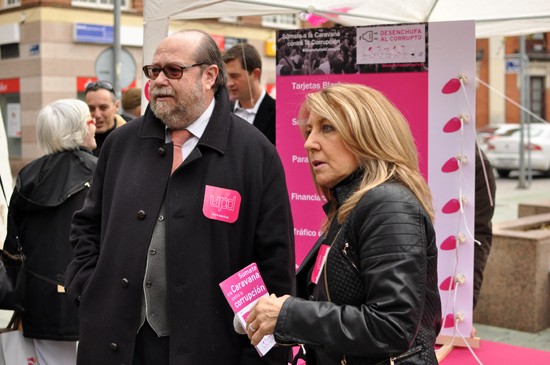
pixel 179 137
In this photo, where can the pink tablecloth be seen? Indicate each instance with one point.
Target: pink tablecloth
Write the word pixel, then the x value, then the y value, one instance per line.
pixel 495 353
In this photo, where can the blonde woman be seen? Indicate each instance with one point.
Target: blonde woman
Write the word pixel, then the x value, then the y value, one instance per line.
pixel 367 292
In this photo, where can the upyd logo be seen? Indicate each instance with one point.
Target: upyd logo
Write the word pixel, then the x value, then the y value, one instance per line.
pixel 221 204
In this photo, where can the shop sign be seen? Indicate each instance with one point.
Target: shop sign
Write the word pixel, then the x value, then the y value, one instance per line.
pixel 9 86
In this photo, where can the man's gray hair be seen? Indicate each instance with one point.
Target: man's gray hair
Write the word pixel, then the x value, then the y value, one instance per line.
pixel 208 52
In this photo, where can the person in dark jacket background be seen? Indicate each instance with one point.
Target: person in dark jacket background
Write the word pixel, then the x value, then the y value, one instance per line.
pixel 367 293
pixel 131 104
pixel 47 193
pixel 156 235
pixel 484 210
pixel 249 99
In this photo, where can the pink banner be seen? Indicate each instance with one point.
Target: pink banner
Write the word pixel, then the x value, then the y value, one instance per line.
pixel 291 91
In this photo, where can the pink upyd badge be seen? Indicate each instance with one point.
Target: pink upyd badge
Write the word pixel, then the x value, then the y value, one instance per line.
pixel 242 290
pixel 319 263
pixel 221 204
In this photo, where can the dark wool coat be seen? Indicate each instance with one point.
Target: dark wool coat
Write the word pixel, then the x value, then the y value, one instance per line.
pixel 111 236
pixel 265 117
pixel 47 193
pixel 484 210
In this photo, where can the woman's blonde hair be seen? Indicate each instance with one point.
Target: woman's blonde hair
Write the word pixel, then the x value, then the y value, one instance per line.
pixel 61 125
pixel 376 132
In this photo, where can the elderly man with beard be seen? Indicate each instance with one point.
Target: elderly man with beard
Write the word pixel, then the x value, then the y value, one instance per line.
pixel 156 236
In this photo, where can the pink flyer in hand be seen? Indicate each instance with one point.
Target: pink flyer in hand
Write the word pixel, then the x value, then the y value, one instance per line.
pixel 242 290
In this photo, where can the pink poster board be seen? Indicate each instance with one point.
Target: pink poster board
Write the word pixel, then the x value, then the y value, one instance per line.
pixel 411 64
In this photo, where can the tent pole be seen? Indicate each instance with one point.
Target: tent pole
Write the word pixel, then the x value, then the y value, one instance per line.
pixel 117 50
pixel 523 84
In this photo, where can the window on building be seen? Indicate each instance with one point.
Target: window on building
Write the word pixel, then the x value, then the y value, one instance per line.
pixel 14 143
pixel 538 96
pixel 102 4
pixel 535 42
pixel 284 21
pixel 11 3
pixel 229 19
pixel 10 50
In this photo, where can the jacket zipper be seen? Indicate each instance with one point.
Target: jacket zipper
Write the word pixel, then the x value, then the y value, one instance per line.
pixel 344 250
pixel 325 266
pixel 405 355
pixel 343 361
pixel 84 186
pixel 326 282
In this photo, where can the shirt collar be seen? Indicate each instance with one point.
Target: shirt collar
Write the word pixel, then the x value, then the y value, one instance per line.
pixel 198 126
pixel 253 110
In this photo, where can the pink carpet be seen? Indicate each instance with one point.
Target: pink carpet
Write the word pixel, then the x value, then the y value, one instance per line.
pixel 495 353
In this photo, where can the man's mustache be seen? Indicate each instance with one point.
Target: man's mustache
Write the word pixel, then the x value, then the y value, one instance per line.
pixel 162 92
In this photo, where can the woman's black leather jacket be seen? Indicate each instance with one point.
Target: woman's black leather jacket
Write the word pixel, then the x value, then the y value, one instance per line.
pixel 377 296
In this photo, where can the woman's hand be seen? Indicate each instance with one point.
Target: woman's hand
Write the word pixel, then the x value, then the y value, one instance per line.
pixel 263 317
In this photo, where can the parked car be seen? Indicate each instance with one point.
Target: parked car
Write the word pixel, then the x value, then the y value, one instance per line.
pixel 503 151
pixel 490 131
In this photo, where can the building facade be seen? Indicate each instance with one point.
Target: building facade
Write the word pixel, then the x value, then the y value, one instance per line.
pixel 499 68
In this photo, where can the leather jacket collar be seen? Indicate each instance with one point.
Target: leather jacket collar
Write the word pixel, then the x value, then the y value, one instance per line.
pixel 343 190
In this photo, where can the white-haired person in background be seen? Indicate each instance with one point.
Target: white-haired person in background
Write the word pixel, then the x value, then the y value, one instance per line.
pixel 47 193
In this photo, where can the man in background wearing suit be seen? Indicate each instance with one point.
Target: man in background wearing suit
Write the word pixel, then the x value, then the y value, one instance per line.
pixel 249 99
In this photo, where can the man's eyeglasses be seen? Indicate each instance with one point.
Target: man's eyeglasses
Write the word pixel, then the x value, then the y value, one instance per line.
pixel 96 85
pixel 171 70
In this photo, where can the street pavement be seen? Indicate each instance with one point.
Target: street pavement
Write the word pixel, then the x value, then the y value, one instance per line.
pixel 508 196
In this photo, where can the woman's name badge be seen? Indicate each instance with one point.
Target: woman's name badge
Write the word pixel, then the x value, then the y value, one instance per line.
pixel 319 263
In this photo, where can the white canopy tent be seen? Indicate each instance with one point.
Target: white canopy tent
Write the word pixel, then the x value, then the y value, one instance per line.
pixel 493 17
